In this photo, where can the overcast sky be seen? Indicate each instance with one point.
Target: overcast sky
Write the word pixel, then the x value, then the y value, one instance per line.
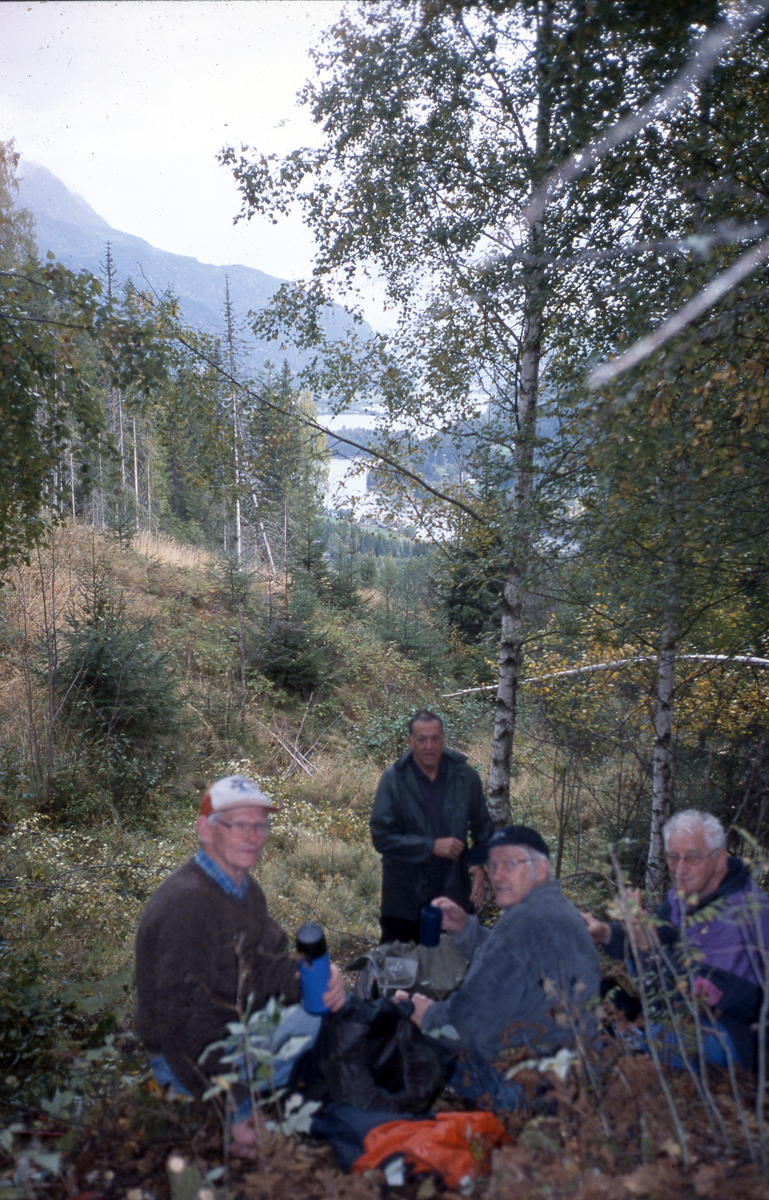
pixel 128 102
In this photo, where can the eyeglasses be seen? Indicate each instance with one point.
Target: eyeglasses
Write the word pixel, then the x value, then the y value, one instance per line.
pixel 243 828
pixel 507 864
pixel 690 858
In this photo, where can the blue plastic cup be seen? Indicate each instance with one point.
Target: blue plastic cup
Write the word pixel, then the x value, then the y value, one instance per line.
pixel 430 921
pixel 314 967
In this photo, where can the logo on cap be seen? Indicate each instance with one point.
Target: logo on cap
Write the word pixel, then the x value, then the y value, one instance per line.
pixel 234 791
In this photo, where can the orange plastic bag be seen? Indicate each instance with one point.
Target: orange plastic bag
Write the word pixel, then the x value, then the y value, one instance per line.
pixel 455 1144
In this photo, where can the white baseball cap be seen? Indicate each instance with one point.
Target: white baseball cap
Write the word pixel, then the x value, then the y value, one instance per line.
pixel 234 791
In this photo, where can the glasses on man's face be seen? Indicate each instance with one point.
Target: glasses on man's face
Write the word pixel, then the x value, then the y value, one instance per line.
pixel 506 864
pixel 246 828
pixel 691 858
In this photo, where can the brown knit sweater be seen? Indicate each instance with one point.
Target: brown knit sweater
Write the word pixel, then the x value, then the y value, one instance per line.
pixel 187 967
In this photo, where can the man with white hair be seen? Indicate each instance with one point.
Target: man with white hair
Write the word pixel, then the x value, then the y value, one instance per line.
pixel 712 926
pixel 532 979
pixel 206 943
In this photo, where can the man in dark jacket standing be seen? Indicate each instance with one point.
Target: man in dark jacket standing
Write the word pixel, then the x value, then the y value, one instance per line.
pixel 426 806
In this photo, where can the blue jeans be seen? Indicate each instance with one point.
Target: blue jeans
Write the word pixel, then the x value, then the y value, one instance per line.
pixel 163 1072
pixel 717 1046
pixel 296 1023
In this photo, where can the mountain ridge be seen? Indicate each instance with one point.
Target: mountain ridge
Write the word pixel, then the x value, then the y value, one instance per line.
pixel 67 225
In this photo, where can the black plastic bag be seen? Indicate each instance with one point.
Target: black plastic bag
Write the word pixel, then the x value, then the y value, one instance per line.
pixel 371 1055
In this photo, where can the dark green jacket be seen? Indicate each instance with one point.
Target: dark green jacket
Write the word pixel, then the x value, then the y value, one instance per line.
pixel 401 833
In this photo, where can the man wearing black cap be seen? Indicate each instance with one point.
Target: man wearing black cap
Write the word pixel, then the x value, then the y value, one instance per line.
pixel 536 961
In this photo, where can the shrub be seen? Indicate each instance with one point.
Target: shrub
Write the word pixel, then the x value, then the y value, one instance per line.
pixel 31 1024
pixel 118 693
pixel 293 649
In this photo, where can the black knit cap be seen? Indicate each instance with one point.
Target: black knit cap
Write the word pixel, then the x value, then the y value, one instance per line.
pixel 511 835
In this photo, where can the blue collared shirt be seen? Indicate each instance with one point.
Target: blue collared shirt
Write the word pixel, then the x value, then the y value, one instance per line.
pixel 221 877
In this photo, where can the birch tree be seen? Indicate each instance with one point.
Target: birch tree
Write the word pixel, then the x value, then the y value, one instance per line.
pixel 676 429
pixel 442 125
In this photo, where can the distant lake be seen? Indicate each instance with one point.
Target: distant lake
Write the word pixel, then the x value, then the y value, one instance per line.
pixel 349 420
pixel 343 485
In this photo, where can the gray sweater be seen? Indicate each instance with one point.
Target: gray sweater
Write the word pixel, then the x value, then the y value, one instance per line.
pixel 502 1000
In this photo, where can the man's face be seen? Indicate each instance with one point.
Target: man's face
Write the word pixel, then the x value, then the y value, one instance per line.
pixel 702 875
pixel 426 744
pixel 513 873
pixel 235 842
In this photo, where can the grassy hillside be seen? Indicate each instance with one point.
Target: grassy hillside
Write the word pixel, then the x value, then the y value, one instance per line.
pixel 89 832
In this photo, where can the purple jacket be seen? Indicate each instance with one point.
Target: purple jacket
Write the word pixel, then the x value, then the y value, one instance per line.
pixel 723 941
pixel 728 930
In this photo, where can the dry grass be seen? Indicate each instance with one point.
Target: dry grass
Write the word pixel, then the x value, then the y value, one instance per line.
pixel 319 863
pixel 169 552
pixel 340 785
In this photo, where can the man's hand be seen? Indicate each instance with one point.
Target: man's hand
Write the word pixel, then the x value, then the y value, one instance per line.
pixel 478 893
pixel 638 923
pixel 448 848
pixel 335 997
pixel 245 1138
pixel 421 1004
pixel 598 930
pixel 454 917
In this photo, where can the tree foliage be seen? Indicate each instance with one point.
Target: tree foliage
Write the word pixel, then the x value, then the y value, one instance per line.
pixel 50 406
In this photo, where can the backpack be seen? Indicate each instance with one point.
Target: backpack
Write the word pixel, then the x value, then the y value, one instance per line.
pixel 436 971
pixel 371 1055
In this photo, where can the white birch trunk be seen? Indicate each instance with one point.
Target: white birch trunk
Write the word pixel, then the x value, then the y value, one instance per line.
pixel 511 633
pixel 120 441
pixel 662 770
pixel 149 493
pixel 230 330
pixel 136 472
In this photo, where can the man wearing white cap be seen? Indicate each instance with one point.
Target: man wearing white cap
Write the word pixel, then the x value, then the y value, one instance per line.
pixel 206 943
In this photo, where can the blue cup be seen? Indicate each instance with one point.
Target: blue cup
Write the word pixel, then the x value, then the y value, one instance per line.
pixel 430 921
pixel 314 967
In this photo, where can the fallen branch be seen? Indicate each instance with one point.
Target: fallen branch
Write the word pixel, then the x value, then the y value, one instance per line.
pixel 292 752
pixel 741 659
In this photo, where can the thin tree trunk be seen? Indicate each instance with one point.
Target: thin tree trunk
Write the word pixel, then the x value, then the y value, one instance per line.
pixel 242 658
pixel 121 442
pixel 149 492
pixel 511 632
pixel 263 531
pixel 230 330
pixel 72 485
pixel 662 771
pixel 136 473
